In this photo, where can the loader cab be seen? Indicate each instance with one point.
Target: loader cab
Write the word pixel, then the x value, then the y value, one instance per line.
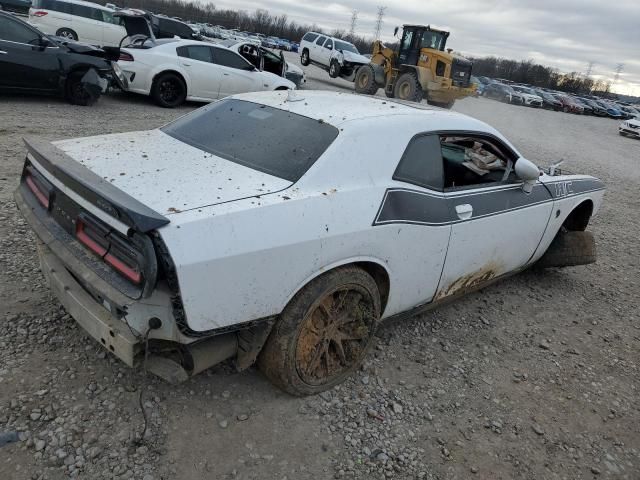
pixel 417 37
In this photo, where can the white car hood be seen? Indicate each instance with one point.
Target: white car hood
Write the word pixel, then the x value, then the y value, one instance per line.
pixel 634 121
pixel 166 174
pixel 355 57
pixel 528 96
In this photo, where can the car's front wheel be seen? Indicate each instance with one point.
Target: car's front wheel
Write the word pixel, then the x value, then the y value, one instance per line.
pixel 304 58
pixel 169 90
pixel 77 93
pixel 67 33
pixel 334 69
pixel 324 332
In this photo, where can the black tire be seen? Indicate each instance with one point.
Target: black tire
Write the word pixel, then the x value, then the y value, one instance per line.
pixel 319 332
pixel 67 33
pixel 365 81
pixel 408 88
pixel 447 105
pixel 169 90
pixel 334 69
pixel 304 57
pixel 568 249
pixel 75 93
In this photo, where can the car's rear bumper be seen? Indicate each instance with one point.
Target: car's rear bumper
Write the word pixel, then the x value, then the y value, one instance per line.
pixel 64 272
pixel 96 320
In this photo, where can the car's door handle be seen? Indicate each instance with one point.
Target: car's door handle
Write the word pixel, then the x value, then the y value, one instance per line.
pixel 226 74
pixel 186 64
pixel 464 211
pixel 2 52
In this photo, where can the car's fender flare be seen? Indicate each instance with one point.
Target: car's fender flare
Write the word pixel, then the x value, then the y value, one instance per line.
pixel 169 68
pixel 377 268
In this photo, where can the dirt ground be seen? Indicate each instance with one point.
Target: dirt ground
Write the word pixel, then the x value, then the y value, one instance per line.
pixel 536 377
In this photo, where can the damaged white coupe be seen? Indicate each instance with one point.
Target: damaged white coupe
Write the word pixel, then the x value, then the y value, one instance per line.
pixel 281 228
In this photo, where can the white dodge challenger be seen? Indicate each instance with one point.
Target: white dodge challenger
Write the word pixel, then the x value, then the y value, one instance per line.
pixel 283 227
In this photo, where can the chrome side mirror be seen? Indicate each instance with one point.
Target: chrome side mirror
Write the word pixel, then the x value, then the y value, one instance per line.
pixel 528 172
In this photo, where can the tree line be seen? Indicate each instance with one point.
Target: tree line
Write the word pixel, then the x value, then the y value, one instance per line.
pixel 261 21
pixel 526 71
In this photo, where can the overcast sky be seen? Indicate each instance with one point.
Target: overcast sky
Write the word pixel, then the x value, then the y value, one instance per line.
pixel 567 34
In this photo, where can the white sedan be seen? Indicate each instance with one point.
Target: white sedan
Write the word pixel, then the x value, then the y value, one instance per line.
pixel 172 71
pixel 289 228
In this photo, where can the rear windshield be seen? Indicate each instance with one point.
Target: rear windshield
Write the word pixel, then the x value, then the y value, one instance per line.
pixel 263 138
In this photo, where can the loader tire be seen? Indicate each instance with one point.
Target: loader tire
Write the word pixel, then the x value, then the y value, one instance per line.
pixel 324 333
pixel 569 249
pixel 365 81
pixel 408 88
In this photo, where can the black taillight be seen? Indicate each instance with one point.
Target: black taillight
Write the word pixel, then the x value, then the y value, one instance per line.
pixel 40 188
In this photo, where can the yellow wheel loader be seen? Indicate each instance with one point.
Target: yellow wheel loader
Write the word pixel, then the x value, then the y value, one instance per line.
pixel 419 68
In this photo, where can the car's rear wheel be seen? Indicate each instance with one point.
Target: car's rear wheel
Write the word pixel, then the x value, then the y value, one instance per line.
pixel 304 58
pixel 76 93
pixel 67 33
pixel 324 333
pixel 365 80
pixel 169 90
pixel 334 69
pixel 408 88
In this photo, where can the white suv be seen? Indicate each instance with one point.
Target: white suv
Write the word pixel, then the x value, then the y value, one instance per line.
pixel 76 20
pixel 339 58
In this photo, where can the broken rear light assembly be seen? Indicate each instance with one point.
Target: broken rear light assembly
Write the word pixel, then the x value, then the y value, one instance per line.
pixel 125 57
pixel 113 250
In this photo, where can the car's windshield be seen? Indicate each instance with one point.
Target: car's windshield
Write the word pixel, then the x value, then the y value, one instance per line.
pixel 251 134
pixel 345 47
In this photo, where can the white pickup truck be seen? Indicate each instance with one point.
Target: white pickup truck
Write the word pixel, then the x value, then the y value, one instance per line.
pixel 339 58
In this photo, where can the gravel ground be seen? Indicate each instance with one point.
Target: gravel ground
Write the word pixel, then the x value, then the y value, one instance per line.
pixel 536 377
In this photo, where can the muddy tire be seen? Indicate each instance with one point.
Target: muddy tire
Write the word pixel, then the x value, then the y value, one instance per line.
pixel 168 90
pixel 67 33
pixel 324 332
pixel 75 93
pixel 304 58
pixel 365 81
pixel 334 69
pixel 569 249
pixel 408 88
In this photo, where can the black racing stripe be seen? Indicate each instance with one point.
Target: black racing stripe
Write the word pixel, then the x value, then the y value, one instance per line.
pixel 500 201
pixel 410 206
pixel 569 188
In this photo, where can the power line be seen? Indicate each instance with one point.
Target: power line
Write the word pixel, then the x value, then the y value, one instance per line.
pixel 619 69
pixel 589 69
pixel 379 22
pixel 354 20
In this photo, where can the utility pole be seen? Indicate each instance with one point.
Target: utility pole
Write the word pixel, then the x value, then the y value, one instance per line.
pixel 379 22
pixel 354 20
pixel 589 69
pixel 619 69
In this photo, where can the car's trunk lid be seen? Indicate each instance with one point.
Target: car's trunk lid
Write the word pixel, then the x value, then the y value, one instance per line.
pixel 165 174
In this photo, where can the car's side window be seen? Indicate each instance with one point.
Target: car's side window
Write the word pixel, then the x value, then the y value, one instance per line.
pixel 196 52
pixel 329 44
pixel 230 59
pixel 471 161
pixel 320 40
pixel 421 163
pixel 310 37
pixel 13 31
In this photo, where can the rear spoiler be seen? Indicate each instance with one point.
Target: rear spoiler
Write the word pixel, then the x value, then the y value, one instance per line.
pixel 94 189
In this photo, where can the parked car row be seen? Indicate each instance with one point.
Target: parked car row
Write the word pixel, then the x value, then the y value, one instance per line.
pixel 553 100
pixel 169 70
